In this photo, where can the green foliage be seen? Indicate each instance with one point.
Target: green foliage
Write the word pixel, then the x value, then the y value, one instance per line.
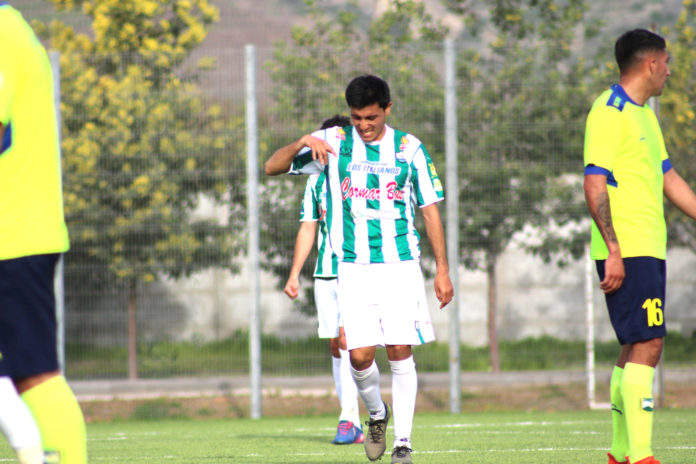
pixel 311 356
pixel 157 410
pixel 141 146
pixel 523 103
pixel 677 112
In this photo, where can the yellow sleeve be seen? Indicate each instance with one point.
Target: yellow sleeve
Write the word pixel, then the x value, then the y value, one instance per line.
pixel 602 135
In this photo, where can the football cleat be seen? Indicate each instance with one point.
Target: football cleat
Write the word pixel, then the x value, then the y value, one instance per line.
pixel 347 434
pixel 612 460
pixel 401 455
pixel 648 460
pixel 376 438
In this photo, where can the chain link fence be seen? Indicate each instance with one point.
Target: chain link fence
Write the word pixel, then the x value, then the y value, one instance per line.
pixel 157 279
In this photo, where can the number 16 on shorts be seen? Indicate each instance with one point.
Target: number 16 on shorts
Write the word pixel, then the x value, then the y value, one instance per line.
pixel 653 308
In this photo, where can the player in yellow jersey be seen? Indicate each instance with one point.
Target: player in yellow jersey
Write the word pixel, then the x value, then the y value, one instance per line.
pixel 627 173
pixel 33 234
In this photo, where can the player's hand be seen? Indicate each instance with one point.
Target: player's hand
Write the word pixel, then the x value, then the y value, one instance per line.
pixel 614 273
pixel 292 287
pixel 444 291
pixel 320 148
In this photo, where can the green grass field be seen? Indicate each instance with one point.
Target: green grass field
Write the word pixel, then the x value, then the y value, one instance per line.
pixel 491 438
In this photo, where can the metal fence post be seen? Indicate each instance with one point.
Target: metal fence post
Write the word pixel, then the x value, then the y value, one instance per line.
pixel 58 280
pixel 452 199
pixel 253 223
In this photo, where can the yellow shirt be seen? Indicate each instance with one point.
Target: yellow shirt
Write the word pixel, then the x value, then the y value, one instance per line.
pixel 31 203
pixel 623 141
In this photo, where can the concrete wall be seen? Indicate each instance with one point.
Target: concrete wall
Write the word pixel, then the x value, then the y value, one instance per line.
pixel 533 299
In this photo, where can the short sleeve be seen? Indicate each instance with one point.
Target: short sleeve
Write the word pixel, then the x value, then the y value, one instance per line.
pixel 7 85
pixel 426 183
pixel 601 140
pixel 303 162
pixel 310 211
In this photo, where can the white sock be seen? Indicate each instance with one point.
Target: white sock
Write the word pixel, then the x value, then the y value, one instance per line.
pixel 18 425
pixel 367 382
pixel 404 390
pixel 349 392
pixel 336 369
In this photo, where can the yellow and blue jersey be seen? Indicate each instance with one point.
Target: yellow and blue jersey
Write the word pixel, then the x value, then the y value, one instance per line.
pixel 31 203
pixel 623 141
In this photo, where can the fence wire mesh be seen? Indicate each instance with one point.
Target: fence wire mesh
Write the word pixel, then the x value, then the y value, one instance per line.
pixel 155 198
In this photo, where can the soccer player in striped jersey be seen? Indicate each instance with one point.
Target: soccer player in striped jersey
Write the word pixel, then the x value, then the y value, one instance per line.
pixel 33 234
pixel 376 177
pixel 627 174
pixel 313 224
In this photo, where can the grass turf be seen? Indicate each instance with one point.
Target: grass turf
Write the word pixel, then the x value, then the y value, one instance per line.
pixel 509 437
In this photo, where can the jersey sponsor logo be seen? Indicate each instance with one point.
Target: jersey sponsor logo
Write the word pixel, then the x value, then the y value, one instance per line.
pixel 340 134
pixel 391 191
pixel 373 168
pixel 404 143
pixel 653 308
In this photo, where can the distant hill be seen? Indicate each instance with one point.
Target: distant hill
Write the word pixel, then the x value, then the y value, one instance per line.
pixel 265 22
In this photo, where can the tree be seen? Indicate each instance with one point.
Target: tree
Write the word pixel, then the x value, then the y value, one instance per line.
pixel 309 78
pixel 141 149
pixel 677 112
pixel 523 100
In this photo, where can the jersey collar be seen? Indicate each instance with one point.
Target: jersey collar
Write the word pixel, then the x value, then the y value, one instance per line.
pixel 617 89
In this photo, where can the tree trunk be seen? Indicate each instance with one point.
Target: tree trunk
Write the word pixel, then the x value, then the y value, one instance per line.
pixel 132 332
pixel 491 260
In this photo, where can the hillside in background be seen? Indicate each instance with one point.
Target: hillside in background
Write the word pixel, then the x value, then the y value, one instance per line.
pixel 266 22
pixel 263 22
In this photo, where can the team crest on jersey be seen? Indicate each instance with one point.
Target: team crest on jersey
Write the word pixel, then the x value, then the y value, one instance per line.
pixel 340 134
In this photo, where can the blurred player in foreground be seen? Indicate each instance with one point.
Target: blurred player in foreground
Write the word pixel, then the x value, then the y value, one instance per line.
pixel 313 224
pixel 33 234
pixel 627 171
pixel 18 425
pixel 376 176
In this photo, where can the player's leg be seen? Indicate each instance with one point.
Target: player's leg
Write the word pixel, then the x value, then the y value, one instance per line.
pixel 358 289
pixel 58 416
pixel 329 317
pixel 636 311
pixel 350 412
pixel 636 389
pixel 27 305
pixel 18 425
pixel 404 391
pixel 406 322
pixel 619 438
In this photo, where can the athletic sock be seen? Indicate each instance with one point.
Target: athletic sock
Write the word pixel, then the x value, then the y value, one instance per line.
pixel 404 390
pixel 336 370
pixel 349 392
pixel 60 421
pixel 619 437
pixel 367 382
pixel 18 425
pixel 636 389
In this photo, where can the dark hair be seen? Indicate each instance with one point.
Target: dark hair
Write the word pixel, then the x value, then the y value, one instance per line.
pixel 367 90
pixel 632 43
pixel 336 120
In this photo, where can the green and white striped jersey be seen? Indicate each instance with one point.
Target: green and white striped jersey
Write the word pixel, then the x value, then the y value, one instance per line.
pixel 314 210
pixel 372 191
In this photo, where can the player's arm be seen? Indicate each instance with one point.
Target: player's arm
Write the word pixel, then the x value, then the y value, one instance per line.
pixel 303 245
pixel 679 193
pixel 597 198
pixel 436 234
pixel 281 161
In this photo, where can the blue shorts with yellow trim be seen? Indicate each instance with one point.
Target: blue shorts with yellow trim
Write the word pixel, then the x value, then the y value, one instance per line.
pixel 637 308
pixel 27 316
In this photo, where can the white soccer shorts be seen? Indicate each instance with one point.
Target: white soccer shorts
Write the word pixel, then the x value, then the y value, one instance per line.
pixel 384 304
pixel 326 300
